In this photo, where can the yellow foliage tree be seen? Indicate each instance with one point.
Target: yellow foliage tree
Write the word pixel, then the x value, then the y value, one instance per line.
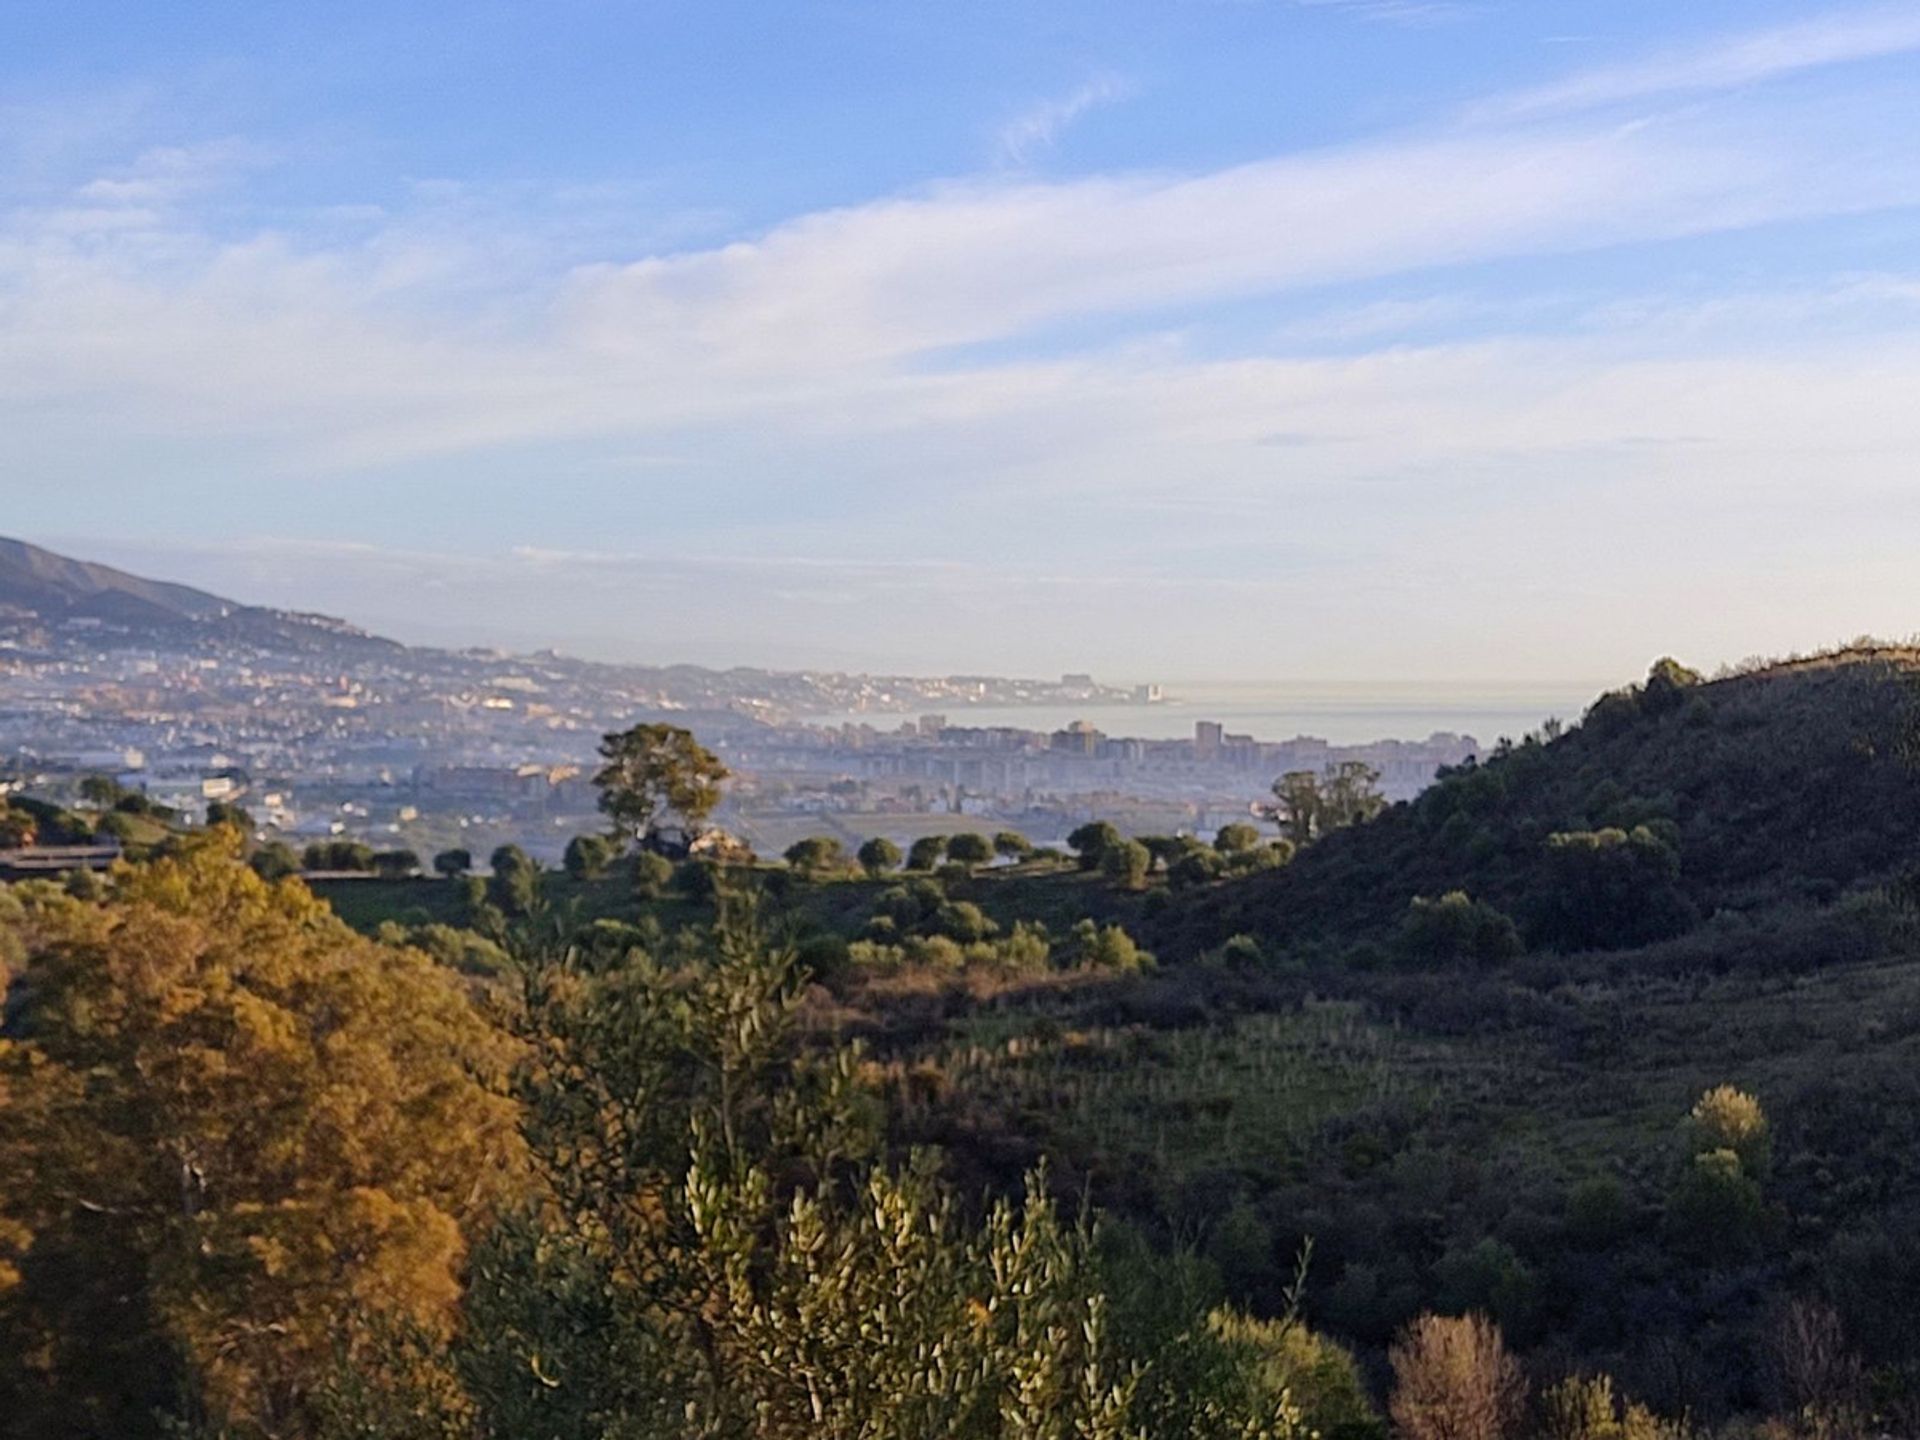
pixel 1725 1118
pixel 238 1143
pixel 1454 1380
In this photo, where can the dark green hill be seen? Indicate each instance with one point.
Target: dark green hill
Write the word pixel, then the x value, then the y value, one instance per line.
pixel 1674 805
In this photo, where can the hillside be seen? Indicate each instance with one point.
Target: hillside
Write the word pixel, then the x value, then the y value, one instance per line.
pixel 1677 805
pixel 1514 1133
pixel 55 590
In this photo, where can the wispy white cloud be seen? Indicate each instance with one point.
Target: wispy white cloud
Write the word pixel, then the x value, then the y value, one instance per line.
pixel 1737 60
pixel 172 173
pixel 1404 12
pixel 1038 128
pixel 391 344
pixel 736 375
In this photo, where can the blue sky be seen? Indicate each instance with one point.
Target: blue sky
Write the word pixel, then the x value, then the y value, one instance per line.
pixel 1188 338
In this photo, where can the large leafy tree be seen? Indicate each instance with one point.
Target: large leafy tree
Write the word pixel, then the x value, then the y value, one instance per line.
pixel 652 773
pixel 238 1143
pixel 1306 806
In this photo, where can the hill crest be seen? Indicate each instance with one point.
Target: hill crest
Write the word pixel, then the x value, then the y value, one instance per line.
pixel 1791 785
pixel 57 589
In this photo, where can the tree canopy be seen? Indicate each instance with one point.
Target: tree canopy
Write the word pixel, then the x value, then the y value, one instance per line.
pixel 653 773
pixel 253 1139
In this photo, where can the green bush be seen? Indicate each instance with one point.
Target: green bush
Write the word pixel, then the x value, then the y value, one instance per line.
pixel 1235 838
pixel 588 856
pixel 878 855
pixel 652 874
pixel 816 855
pixel 926 852
pixel 1715 1210
pixel 1196 868
pixel 1090 843
pixel 1320 1375
pixel 1126 863
pixel 1610 889
pixel 969 849
pixel 1457 929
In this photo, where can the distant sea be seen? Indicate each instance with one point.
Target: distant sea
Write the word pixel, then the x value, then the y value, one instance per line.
pixel 1344 712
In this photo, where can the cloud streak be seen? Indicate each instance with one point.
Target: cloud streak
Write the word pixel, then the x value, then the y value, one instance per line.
pixel 1039 128
pixel 894 379
pixel 1726 64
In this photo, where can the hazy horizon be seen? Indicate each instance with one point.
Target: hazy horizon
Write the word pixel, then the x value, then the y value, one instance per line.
pixel 477 633
pixel 1328 338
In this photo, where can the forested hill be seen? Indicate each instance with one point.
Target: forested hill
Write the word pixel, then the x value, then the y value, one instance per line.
pixel 1678 807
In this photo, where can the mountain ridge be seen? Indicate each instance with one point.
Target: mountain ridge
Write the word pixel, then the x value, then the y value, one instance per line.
pixel 57 589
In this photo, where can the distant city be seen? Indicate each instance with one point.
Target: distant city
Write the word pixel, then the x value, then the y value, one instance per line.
pixel 319 730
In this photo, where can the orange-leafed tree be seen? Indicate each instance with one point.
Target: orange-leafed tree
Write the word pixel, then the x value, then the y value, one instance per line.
pixel 239 1146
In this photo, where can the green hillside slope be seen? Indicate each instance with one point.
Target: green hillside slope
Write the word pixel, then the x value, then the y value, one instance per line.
pixel 1674 805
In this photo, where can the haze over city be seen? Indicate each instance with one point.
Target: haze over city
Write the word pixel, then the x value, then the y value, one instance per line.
pixel 1236 340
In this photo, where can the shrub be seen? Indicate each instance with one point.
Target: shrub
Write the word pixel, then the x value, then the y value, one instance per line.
pixel 925 852
pixel 460 950
pixel 1321 1376
pixel 588 856
pixel 1492 1277
pixel 85 884
pixel 910 906
pixel 1108 947
pixel 1028 948
pixel 1586 1408
pixel 1454 1380
pixel 1126 863
pixel 1610 889
pixel 1013 845
pixel 697 879
pixel 816 855
pixel 396 864
pixel 1728 1119
pixel 825 957
pixel 1667 686
pixel 1195 868
pixel 1090 843
pixel 275 861
pixel 515 886
pixel 969 849
pixel 652 873
pixel 1714 1212
pixel 963 921
pixel 878 855
pixel 1243 951
pixel 936 951
pixel 1234 838
pixel 338 855
pixel 1271 856
pixel 1598 1214
pixel 1241 1247
pixel 1457 928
